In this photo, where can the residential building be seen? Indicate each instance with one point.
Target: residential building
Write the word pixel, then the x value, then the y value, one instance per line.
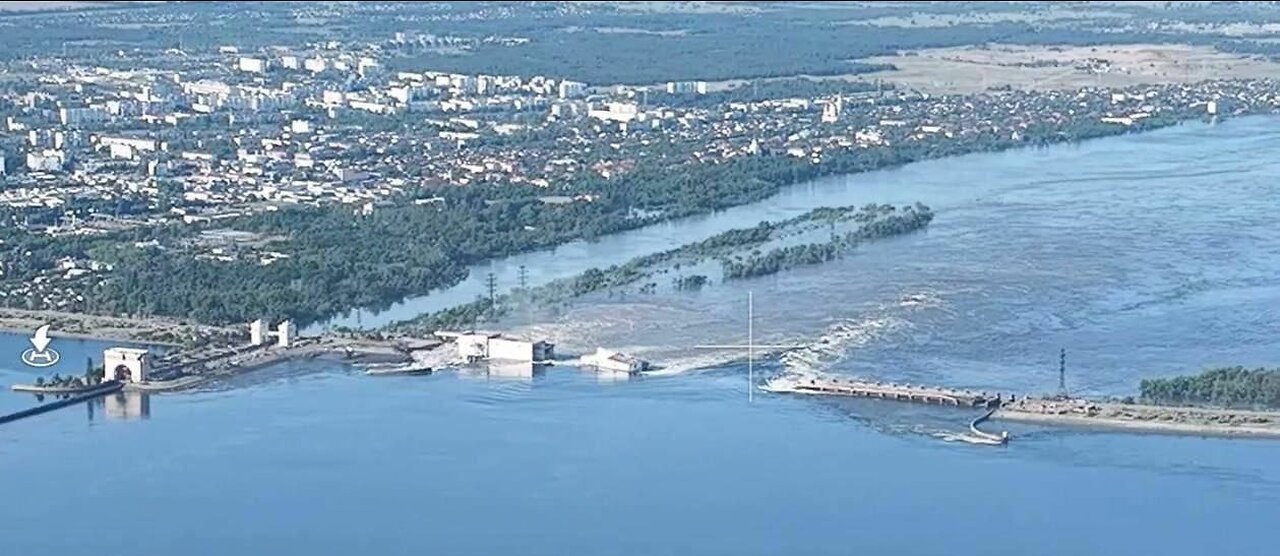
pixel 572 89
pixel 252 65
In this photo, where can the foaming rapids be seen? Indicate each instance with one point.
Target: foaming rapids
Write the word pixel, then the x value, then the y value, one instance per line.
pixel 843 337
pixel 673 333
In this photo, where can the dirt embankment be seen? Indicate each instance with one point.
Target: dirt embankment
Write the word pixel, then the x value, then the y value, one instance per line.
pixel 1178 420
pixel 971 69
pixel 151 330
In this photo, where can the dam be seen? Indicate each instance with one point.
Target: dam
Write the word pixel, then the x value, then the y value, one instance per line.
pixel 831 386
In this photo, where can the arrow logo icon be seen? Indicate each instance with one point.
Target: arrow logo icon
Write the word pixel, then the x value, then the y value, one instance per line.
pixel 41 339
pixel 42 355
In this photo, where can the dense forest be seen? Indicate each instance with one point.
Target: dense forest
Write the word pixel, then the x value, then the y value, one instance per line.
pixel 607 43
pixel 338 262
pixel 1231 387
pixel 764 89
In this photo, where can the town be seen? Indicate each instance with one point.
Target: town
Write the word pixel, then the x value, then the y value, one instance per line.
pixel 605 277
pixel 200 139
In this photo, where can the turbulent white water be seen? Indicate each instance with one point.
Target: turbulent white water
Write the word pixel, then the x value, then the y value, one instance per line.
pixel 1030 252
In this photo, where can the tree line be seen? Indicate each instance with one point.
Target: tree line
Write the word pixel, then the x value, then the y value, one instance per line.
pixel 890 222
pixel 1231 387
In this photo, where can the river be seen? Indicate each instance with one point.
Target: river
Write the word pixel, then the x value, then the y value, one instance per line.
pixel 1144 255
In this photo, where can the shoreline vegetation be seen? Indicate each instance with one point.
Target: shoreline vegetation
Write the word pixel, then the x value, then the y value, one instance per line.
pixel 337 263
pixel 1231 401
pixel 877 222
pixel 1230 387
pixel 871 222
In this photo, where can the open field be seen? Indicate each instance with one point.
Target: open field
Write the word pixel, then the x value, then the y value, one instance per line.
pixel 56 6
pixel 975 68
pixel 47 6
pixel 153 330
pixel 932 20
pixel 972 69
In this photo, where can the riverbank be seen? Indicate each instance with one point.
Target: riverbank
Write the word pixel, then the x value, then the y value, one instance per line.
pixel 1143 418
pixel 340 349
pixel 186 373
pixel 158 331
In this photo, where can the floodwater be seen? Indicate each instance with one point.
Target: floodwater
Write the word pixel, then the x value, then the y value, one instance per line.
pixel 1145 255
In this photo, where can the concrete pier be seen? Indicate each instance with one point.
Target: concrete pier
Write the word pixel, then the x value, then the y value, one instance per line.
pixel 97 392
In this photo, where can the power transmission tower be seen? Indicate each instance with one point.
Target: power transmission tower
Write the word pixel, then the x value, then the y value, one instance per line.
pixel 1062 373
pixel 524 278
pixel 491 282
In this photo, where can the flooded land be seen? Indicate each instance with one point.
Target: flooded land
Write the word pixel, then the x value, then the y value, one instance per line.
pixel 1143 256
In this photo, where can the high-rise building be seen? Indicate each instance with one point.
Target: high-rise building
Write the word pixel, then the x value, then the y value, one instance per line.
pixel 616 112
pixel 831 110
pixel 315 65
pixel 80 116
pixel 45 161
pixel 253 65
pixel 402 95
pixel 484 84
pixel 686 87
pixel 572 89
